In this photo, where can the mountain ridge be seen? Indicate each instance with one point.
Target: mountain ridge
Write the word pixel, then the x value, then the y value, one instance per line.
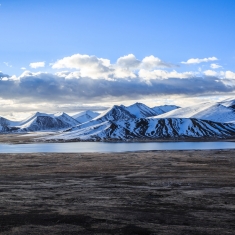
pixel 150 128
pixel 137 121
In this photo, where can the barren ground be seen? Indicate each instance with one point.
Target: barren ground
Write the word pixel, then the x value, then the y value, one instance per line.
pixel 155 192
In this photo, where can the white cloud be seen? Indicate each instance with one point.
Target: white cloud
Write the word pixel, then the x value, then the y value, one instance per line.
pixel 7 64
pixel 26 73
pixel 14 78
pixel 94 67
pixel 151 62
pixel 162 74
pixel 36 65
pixel 215 66
pixel 89 66
pixel 123 73
pixel 229 75
pixel 69 75
pixel 128 61
pixel 210 73
pixel 198 61
pixel 23 68
pixel 79 61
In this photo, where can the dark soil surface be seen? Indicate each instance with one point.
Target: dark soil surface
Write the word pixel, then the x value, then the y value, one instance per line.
pixel 155 192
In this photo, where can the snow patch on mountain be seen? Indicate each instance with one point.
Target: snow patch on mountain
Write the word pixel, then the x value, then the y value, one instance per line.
pixel 39 122
pixel 140 110
pixel 86 133
pixel 85 116
pixel 216 112
pixel 115 113
pixel 164 108
pixel 229 103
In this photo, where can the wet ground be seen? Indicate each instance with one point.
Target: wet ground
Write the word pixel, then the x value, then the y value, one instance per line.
pixel 155 192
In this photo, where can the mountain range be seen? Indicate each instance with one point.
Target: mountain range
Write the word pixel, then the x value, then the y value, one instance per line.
pixel 217 112
pixel 137 121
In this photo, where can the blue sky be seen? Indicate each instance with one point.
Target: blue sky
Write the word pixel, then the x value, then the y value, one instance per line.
pixel 44 33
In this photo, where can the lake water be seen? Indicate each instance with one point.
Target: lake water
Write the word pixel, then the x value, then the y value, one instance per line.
pixel 79 147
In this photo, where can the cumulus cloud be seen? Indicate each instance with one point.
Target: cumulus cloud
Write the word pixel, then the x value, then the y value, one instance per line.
pixel 90 66
pixel 229 75
pixel 151 62
pixel 210 73
pixel 36 65
pixel 79 61
pixel 124 73
pixel 215 66
pixel 23 68
pixel 128 61
pixel 198 61
pixel 94 67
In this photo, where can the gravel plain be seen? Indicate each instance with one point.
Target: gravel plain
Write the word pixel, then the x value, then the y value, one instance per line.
pixel 151 192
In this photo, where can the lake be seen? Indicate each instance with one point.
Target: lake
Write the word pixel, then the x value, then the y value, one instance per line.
pixel 79 147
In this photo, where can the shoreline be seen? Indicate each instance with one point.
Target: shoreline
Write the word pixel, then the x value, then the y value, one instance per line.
pixel 29 138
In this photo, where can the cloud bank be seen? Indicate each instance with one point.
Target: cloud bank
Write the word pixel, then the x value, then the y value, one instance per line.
pixel 80 79
pixel 65 88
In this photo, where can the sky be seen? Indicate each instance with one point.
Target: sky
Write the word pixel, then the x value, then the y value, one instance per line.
pixel 75 55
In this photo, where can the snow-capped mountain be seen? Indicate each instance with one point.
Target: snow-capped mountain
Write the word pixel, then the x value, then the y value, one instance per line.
pixel 164 108
pixel 39 122
pixel 5 125
pixel 149 128
pixel 115 113
pixel 229 103
pixel 112 114
pixel 43 121
pixel 136 121
pixel 217 112
pixel 85 116
pixel 165 128
pixel 140 110
pixel 65 118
